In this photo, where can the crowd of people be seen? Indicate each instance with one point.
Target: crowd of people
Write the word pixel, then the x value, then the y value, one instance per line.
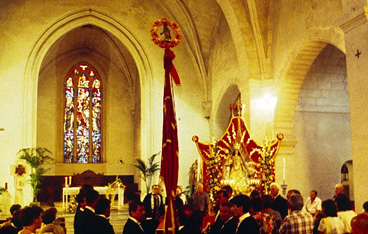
pixel 228 214
pixel 32 219
pixel 254 214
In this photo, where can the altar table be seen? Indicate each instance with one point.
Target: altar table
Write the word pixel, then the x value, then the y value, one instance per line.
pixel 69 191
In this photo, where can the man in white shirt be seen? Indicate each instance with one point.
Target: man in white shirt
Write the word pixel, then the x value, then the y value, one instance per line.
pixel 313 205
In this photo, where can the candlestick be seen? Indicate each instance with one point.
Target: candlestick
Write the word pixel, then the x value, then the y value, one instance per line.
pixel 283 176
pixel 198 169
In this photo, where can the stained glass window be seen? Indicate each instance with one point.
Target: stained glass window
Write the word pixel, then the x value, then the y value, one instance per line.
pixel 82 115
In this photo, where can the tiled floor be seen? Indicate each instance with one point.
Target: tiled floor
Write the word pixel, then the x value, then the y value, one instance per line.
pixel 117 218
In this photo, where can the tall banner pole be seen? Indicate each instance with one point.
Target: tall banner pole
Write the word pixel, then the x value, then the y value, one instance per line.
pixel 170 145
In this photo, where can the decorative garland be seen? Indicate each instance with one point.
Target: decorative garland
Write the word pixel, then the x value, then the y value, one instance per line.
pixel 215 175
pixel 167 42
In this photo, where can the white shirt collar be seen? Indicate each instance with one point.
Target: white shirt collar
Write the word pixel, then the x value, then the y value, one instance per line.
pixel 136 221
pixel 244 216
pixel 90 208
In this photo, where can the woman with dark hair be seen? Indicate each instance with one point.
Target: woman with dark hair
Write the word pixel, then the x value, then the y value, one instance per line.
pixel 30 218
pixel 50 226
pixel 331 223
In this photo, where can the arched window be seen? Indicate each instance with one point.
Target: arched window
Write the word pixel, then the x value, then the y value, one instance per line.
pixel 82 115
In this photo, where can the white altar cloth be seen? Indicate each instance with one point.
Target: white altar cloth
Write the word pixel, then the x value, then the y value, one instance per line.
pixel 69 191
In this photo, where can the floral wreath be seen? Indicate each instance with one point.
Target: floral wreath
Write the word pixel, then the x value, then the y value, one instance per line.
pixel 167 42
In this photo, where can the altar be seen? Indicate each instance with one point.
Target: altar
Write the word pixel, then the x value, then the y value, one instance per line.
pixel 73 191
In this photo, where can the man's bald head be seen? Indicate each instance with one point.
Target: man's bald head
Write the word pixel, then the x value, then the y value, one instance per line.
pixel 339 189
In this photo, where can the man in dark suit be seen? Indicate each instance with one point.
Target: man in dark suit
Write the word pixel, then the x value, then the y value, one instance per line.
pixel 137 214
pixel 279 203
pixel 154 206
pixel 100 223
pixel 229 221
pixel 246 223
pixel 88 213
pixel 221 197
pixel 81 200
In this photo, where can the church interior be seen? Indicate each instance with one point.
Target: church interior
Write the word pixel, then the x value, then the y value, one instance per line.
pixel 300 68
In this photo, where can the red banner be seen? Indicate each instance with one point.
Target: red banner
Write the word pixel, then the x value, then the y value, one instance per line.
pixel 170 148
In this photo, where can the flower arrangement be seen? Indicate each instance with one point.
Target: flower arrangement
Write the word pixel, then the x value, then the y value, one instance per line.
pixel 166 42
pixel 266 172
pixel 215 175
pixel 116 184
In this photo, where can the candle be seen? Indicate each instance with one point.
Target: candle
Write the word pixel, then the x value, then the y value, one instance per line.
pixel 70 180
pixel 283 176
pixel 66 181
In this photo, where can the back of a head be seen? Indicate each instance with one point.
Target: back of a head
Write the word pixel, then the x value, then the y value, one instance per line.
pixel 83 191
pixel 29 213
pixel 242 200
pixel 223 192
pixel 228 188
pixel 86 187
pixel 185 215
pixel 365 206
pixel 49 216
pixel 14 208
pixel 91 196
pixel 296 202
pixel 267 201
pixel 359 224
pixel 329 208
pixel 102 204
pixel 255 193
pixel 256 203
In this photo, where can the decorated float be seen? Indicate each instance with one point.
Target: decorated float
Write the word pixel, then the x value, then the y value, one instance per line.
pixel 236 159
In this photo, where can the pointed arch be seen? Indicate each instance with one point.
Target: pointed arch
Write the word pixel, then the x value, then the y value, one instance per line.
pixel 60 28
pixel 294 74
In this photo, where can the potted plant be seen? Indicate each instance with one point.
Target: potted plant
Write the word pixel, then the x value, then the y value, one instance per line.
pixel 147 169
pixel 35 158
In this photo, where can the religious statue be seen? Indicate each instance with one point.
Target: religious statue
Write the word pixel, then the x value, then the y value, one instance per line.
pixel 166 32
pixel 237 172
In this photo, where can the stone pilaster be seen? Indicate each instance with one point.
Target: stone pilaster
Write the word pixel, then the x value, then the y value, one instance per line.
pixel 356 34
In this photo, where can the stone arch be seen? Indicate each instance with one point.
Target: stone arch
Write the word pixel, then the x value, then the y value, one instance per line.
pixel 290 88
pixel 241 31
pixel 293 79
pixel 51 35
pixel 221 117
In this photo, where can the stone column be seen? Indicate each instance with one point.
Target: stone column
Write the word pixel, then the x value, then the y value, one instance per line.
pixel 355 27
